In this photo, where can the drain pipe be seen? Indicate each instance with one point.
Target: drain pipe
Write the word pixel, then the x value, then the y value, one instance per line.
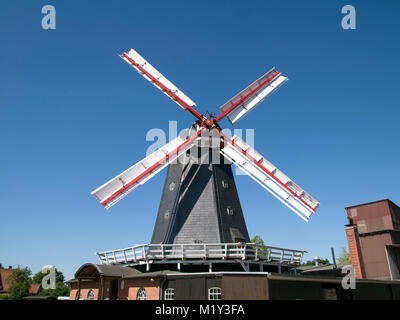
pixel 164 280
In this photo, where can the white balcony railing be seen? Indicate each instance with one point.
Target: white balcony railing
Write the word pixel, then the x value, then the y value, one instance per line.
pixel 214 251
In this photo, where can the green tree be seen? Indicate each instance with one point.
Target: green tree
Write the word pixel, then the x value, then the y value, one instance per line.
pixel 344 257
pixel 19 281
pixel 257 240
pixel 320 262
pixel 61 288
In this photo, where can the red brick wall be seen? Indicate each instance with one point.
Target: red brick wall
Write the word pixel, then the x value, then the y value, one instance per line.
pixel 128 292
pixel 132 287
pixel 355 251
pixel 85 288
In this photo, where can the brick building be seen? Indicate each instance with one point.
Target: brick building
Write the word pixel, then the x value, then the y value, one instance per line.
pixel 373 235
pixel 95 282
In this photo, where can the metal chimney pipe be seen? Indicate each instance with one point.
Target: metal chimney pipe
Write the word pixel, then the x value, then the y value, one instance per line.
pixel 334 259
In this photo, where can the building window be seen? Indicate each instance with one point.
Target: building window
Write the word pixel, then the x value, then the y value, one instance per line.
pixel 172 186
pixel 229 211
pixel 141 295
pixel 122 284
pixel 169 294
pixel 167 214
pixel 90 295
pixel 214 293
pixel 225 184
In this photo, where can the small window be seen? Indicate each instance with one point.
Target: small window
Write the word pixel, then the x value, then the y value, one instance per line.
pixel 196 241
pixel 229 211
pixel 172 186
pixel 122 284
pixel 214 293
pixel 90 295
pixel 225 184
pixel 169 294
pixel 142 294
pixel 167 214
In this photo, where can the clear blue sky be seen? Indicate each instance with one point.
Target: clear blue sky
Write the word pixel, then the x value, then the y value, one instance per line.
pixel 73 115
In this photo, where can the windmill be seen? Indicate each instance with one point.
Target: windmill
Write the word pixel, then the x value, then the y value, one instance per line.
pixel 200 203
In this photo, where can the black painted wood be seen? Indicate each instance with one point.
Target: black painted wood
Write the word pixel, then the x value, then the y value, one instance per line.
pixel 200 204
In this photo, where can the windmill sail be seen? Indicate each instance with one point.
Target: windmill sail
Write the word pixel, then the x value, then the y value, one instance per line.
pixel 151 74
pixel 117 188
pixel 269 177
pixel 245 101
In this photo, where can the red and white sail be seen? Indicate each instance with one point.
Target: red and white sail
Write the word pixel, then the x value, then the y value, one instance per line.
pixel 150 73
pixel 117 188
pixel 245 101
pixel 269 177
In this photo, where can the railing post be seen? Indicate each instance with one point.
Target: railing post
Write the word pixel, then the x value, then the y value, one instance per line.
pixel 125 256
pixel 134 254
pixel 256 254
pixel 162 251
pixel 226 250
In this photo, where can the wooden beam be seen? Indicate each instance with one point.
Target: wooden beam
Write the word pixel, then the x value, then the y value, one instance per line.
pixel 102 288
pixel 78 294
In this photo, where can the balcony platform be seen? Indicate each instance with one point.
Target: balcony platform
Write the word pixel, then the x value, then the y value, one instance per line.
pixel 247 255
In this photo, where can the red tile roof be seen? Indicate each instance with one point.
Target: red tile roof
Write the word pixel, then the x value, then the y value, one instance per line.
pixel 4 273
pixel 34 288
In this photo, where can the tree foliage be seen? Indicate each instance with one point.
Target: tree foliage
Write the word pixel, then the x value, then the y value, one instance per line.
pixel 19 281
pixel 61 290
pixel 320 262
pixel 257 240
pixel 344 257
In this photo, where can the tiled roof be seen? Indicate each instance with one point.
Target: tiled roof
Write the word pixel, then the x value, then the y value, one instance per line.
pixel 4 273
pixel 96 270
pixel 34 288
